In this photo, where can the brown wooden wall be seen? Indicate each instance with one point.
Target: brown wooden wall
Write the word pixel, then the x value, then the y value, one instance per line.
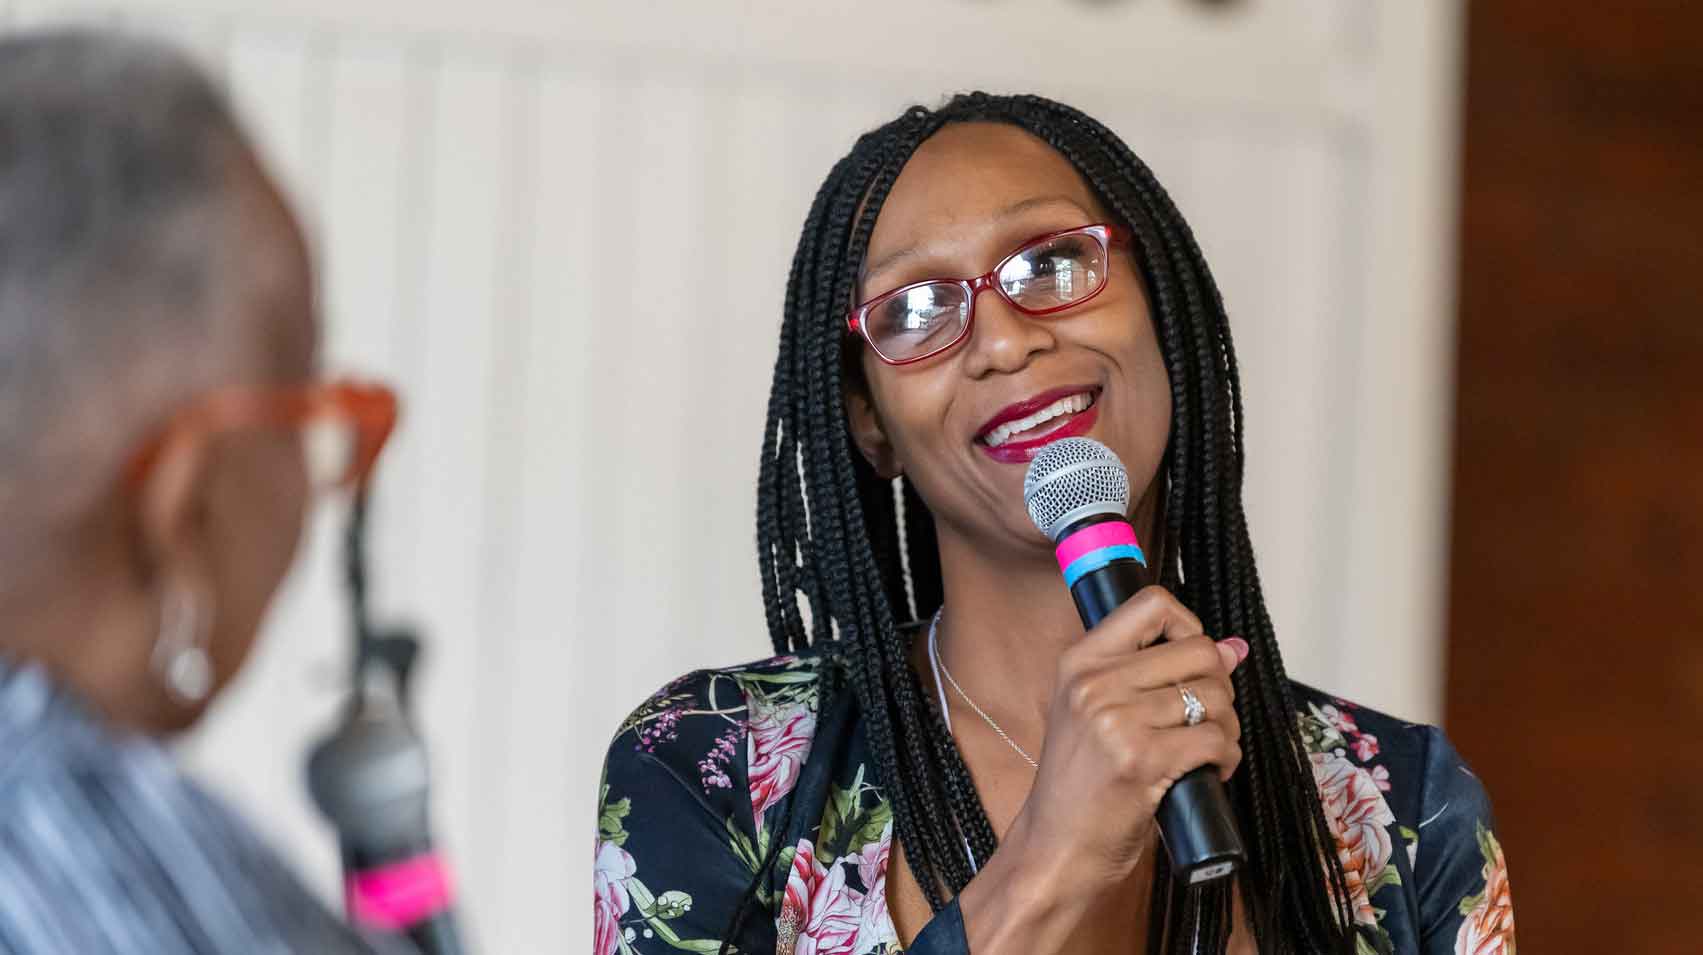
pixel 1576 608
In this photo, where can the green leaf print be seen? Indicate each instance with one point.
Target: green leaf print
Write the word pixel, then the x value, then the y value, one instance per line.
pixel 874 822
pixel 657 911
pixel 672 904
pixel 847 825
pixel 705 945
pixel 1317 731
pixel 1487 845
pixel 609 825
pixel 643 901
pixel 1470 902
pixel 842 806
pixel 610 828
pixel 784 678
pixel 751 855
pixel 1489 848
pixel 1389 876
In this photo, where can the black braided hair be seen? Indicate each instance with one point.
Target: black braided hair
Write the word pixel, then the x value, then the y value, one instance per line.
pixel 861 551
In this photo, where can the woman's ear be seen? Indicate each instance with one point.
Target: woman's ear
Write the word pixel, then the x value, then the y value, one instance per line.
pixel 172 506
pixel 870 435
pixel 173 564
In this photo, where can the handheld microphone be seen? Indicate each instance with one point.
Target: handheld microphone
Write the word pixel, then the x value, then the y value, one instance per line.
pixel 1077 493
pixel 370 779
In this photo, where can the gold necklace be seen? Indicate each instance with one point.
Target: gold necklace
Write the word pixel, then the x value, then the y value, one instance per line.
pixel 940 669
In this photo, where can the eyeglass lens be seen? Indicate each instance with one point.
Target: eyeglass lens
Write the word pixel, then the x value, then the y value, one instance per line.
pixel 1045 276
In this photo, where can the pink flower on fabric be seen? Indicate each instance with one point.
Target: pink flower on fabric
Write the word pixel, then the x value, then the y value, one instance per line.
pixel 776 747
pixel 875 925
pixel 1381 778
pixel 1365 746
pixel 712 769
pixel 820 913
pixel 609 899
pixel 1489 927
pixel 1359 819
pixel 1344 722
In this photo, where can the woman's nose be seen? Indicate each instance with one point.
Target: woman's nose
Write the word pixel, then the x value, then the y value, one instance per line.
pixel 1003 340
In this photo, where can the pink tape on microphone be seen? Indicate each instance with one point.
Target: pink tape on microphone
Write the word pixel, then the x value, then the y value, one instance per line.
pixel 395 896
pixel 1092 538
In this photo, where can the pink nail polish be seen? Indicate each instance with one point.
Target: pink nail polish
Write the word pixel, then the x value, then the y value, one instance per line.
pixel 1239 647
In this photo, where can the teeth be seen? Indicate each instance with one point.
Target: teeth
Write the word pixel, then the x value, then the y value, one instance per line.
pixel 1063 406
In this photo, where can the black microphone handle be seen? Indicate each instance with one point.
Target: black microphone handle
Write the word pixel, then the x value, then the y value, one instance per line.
pixel 1195 818
pixel 370 778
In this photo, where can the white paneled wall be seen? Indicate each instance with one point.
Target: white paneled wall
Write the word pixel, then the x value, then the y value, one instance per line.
pixel 563 230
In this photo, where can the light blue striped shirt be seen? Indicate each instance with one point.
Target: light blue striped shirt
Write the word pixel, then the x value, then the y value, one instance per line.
pixel 107 847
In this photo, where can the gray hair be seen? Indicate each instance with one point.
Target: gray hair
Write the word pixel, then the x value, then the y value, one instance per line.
pixel 115 178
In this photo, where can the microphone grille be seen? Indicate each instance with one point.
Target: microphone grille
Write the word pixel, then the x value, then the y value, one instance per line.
pixel 1071 479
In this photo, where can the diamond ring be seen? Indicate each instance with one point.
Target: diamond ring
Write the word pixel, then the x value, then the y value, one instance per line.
pixel 1194 711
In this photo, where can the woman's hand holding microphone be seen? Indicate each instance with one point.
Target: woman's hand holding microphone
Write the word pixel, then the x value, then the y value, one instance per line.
pixel 1116 741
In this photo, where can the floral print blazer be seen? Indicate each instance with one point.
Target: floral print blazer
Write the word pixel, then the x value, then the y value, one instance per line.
pixel 708 773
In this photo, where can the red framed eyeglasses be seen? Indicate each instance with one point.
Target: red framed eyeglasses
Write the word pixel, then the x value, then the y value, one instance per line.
pixel 1046 275
pixel 342 426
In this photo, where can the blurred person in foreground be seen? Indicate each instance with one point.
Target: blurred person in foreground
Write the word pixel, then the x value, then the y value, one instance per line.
pixel 157 376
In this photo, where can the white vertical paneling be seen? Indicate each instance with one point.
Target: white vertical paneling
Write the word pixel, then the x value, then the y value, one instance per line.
pixel 572 263
pixel 651 261
pixel 1284 318
pixel 1232 184
pixel 1350 416
pixel 760 205
pixel 372 243
pixel 1315 197
pixel 507 446
pixel 457 326
pixel 552 754
pixel 364 195
pixel 399 263
pixel 724 457
pixel 1393 583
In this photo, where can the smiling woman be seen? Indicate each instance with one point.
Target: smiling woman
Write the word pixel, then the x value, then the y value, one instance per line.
pixel 836 798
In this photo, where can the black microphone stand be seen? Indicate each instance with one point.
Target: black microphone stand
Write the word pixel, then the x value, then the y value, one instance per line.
pixel 370 776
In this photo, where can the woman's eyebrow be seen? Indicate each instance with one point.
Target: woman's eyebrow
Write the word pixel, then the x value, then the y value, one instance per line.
pixel 1036 202
pixel 891 259
pixel 1009 212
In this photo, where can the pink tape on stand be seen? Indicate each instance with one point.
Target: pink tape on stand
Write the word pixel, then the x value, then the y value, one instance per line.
pixel 395 896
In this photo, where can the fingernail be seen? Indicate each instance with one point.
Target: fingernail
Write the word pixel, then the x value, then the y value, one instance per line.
pixel 1238 646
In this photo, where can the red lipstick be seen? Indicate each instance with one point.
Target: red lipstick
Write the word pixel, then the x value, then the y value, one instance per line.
pixel 1065 426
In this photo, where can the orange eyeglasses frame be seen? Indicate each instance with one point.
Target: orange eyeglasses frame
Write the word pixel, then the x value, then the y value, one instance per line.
pixel 371 408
